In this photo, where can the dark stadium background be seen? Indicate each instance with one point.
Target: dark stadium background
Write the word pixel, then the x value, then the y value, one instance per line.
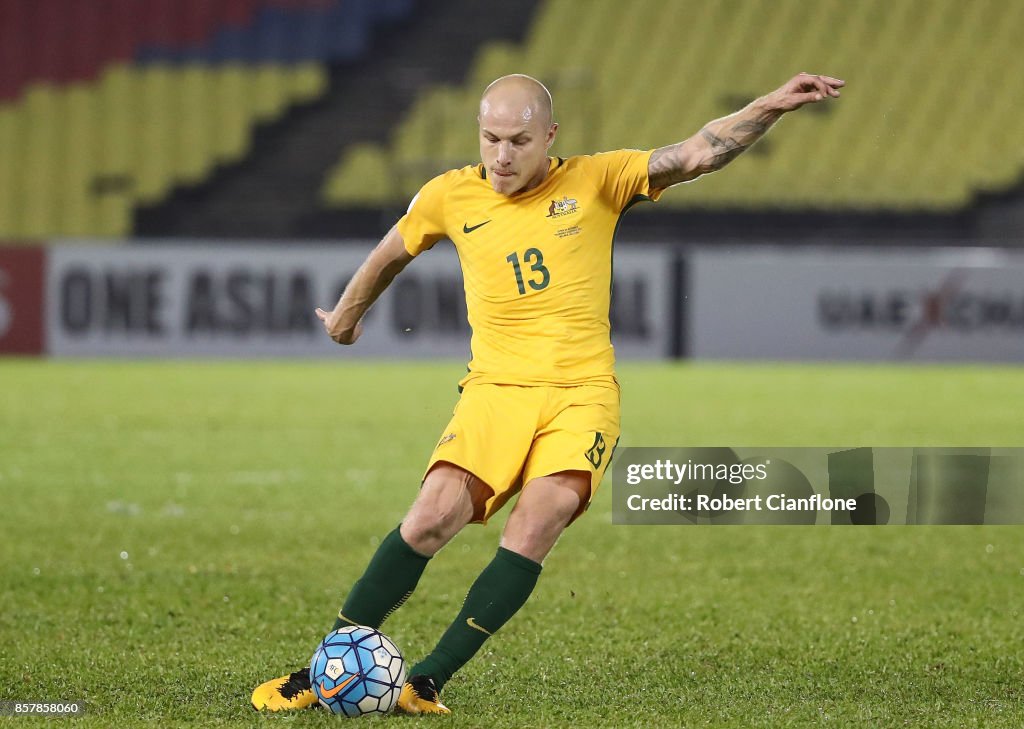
pixel 221 123
pixel 241 110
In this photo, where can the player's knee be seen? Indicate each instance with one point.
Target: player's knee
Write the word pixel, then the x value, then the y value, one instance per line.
pixel 547 506
pixel 532 542
pixel 442 508
pixel 554 500
pixel 533 533
pixel 428 534
pixel 423 537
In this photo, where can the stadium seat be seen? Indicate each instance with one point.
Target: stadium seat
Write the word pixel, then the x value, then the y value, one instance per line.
pixel 79 144
pixel 366 170
pixel 932 85
pixel 109 104
pixel 9 133
pixel 234 111
pixel 40 165
pixel 112 184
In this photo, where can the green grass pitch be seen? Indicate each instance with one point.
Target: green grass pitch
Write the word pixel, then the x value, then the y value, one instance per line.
pixel 175 532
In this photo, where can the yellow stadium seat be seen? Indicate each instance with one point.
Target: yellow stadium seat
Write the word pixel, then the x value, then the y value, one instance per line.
pixel 308 82
pixel 912 130
pixel 10 160
pixel 195 124
pixel 76 159
pixel 158 114
pixel 364 176
pixel 40 168
pixel 75 209
pixel 113 183
pixel 930 119
pixel 235 111
pixel 496 59
pixel 269 82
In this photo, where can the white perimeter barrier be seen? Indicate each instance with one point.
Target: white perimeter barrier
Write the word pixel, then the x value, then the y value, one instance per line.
pixel 210 298
pixel 935 304
pixel 257 301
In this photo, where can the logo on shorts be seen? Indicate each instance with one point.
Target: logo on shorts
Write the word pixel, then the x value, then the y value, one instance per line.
pixel 446 439
pixel 596 452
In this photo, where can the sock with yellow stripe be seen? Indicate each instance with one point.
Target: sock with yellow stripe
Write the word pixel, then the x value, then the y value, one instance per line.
pixel 387 583
pixel 498 593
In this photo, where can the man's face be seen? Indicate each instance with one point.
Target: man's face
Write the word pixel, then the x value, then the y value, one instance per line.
pixel 514 143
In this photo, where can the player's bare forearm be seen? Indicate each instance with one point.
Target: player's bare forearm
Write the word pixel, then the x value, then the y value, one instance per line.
pixel 723 140
pixel 377 272
pixel 716 145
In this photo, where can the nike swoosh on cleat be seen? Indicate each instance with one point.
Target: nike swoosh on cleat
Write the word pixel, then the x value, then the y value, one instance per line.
pixel 476 626
pixel 331 693
pixel 466 228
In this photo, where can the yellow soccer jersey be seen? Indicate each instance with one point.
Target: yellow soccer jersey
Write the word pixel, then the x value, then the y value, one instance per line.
pixel 537 265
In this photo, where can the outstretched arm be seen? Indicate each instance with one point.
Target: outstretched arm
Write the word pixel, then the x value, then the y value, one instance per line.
pixel 722 140
pixel 378 270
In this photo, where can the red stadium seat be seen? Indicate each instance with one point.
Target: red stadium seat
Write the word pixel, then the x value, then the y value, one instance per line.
pixel 85 54
pixel 122 28
pixel 14 42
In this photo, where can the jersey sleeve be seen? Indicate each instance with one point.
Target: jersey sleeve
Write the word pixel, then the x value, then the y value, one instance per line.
pixel 622 176
pixel 423 223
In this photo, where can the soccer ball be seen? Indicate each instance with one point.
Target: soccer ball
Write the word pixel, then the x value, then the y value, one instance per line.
pixel 357 670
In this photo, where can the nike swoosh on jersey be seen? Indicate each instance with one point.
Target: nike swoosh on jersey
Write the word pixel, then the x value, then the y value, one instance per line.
pixel 476 626
pixel 330 693
pixel 466 228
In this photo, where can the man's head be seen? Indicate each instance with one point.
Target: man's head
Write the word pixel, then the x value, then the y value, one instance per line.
pixel 516 130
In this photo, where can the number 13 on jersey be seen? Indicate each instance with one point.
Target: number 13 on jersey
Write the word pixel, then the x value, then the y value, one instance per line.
pixel 540 276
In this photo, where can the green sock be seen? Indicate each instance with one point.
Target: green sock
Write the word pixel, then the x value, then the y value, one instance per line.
pixel 388 581
pixel 500 590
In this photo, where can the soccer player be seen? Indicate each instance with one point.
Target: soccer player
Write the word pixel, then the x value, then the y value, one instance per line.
pixel 539 411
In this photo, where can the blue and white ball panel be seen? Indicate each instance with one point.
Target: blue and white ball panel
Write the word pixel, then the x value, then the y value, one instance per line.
pixel 367 654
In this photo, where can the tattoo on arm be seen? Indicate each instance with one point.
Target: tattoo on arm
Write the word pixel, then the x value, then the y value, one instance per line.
pixel 751 126
pixel 717 144
pixel 723 150
pixel 663 168
pixel 738 139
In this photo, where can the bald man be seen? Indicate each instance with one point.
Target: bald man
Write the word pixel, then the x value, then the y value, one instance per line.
pixel 538 414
